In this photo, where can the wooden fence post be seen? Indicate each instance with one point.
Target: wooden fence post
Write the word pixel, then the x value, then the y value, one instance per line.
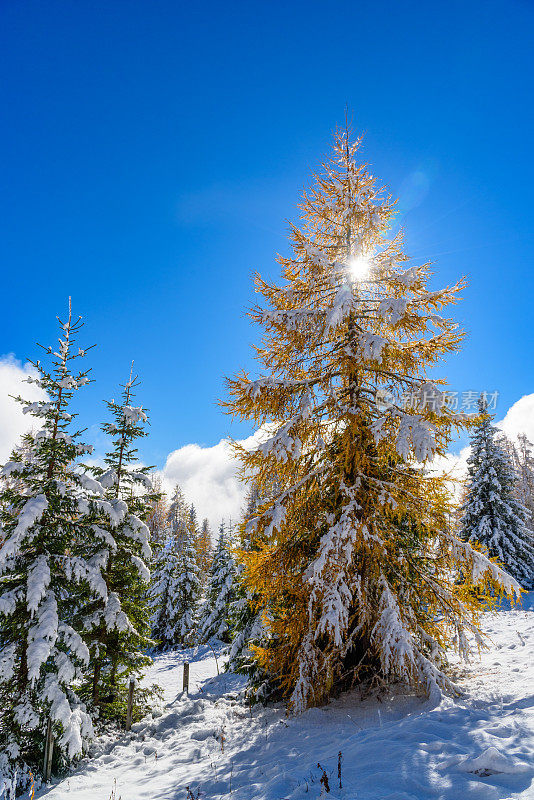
pixel 129 707
pixel 48 751
pixel 185 686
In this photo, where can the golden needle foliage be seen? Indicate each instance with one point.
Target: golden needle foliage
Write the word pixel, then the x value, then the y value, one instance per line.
pixel 352 552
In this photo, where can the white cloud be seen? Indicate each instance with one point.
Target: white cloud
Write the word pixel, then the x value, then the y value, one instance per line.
pixel 453 464
pixel 13 423
pixel 520 418
pixel 208 477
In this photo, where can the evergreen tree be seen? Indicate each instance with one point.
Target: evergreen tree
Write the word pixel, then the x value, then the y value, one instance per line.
pixel 158 519
pixel 492 514
pixel 525 472
pixel 196 537
pixel 51 564
pixel 120 628
pixel 189 589
pixel 164 595
pixel 520 453
pixel 204 550
pixel 352 555
pixel 215 618
pixel 175 592
pixel 193 524
pixel 248 631
pixel 178 516
pixel 246 613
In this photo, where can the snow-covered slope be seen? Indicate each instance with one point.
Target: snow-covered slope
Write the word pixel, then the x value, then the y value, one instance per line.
pixel 401 748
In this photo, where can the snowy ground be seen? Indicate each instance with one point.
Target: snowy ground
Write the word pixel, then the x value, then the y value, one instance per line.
pixel 402 748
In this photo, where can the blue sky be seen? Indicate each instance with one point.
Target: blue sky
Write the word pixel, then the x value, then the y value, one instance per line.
pixel 153 151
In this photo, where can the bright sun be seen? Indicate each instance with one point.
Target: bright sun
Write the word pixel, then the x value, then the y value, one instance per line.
pixel 359 266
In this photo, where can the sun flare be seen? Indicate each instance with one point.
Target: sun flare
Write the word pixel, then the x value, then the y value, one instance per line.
pixel 359 266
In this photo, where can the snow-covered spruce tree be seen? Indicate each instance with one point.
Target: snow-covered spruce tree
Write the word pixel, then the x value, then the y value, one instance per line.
pixel 520 453
pixel 193 523
pixel 352 557
pixel 119 629
pixel 491 514
pixel 178 516
pixel 164 592
pixel 188 592
pixel 157 522
pixel 524 465
pixel 204 550
pixel 220 593
pixel 248 630
pixel 175 591
pixel 51 563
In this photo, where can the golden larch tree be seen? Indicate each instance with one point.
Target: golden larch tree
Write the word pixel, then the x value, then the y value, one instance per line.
pixel 352 554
